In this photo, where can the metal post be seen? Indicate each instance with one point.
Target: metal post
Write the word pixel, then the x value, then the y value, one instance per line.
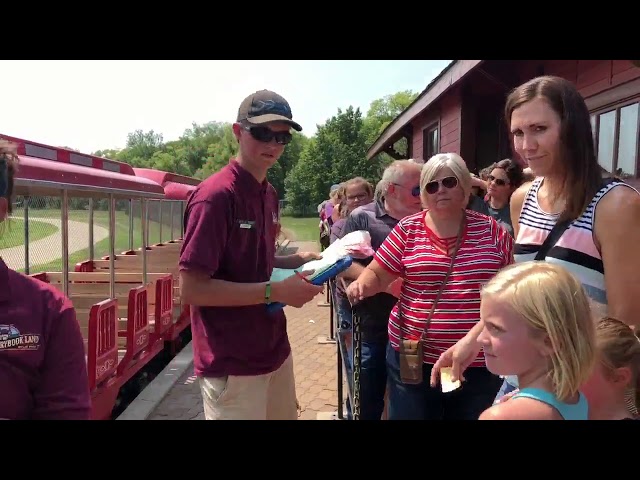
pixel 160 218
pixel 171 210
pixel 145 232
pixel 182 219
pixel 146 219
pixel 65 241
pixel 357 362
pixel 331 338
pixel 332 309
pixel 130 224
pixel 91 246
pixel 326 301
pixel 346 364
pixel 340 391
pixel 112 245
pixel 26 202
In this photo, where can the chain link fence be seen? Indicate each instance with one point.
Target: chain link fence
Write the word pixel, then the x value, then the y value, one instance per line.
pixel 32 238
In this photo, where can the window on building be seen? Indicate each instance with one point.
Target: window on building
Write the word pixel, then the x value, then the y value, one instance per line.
pixel 430 141
pixel 616 132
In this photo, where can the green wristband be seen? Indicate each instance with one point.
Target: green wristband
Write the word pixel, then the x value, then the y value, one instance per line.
pixel 267 293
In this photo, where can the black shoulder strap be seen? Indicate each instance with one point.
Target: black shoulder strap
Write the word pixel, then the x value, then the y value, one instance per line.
pixel 554 235
pixel 560 227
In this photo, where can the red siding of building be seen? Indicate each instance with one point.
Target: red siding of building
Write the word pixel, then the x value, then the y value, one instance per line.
pixel 447 113
pixel 450 123
pixel 424 120
pixel 591 76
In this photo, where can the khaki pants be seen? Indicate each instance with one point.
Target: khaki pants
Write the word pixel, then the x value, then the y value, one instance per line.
pixel 271 396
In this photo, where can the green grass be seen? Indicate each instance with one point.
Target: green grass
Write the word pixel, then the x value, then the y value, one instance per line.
pixel 13 232
pixel 303 229
pixel 101 248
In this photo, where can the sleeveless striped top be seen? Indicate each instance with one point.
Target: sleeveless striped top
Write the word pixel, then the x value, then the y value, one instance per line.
pixel 575 250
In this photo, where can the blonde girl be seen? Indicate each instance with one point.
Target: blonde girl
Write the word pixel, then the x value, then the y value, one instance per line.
pixel 538 326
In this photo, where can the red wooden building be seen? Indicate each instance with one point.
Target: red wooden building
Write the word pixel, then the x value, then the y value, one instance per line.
pixel 461 110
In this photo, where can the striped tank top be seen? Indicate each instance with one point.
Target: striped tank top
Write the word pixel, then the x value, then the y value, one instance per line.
pixel 575 250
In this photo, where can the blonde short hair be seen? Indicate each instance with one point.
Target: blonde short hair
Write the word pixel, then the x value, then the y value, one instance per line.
pixel 452 161
pixel 554 304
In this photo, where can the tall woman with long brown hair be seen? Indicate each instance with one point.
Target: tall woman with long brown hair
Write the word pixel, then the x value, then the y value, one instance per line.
pixel 592 222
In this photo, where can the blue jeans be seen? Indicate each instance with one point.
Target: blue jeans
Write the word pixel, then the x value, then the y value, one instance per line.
pixel 343 309
pixel 422 402
pixel 373 380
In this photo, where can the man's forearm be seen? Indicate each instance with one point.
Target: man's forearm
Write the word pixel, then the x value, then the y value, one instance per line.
pixel 288 261
pixel 221 293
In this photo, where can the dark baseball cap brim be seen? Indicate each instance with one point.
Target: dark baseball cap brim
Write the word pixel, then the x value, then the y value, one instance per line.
pixel 272 118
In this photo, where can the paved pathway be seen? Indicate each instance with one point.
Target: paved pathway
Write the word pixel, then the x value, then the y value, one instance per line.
pixel 49 248
pixel 314 365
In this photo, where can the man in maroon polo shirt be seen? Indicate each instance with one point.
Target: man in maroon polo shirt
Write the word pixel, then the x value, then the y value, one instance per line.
pixel 43 371
pixel 242 354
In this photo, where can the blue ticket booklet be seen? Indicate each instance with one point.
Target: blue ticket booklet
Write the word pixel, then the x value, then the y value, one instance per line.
pixel 323 270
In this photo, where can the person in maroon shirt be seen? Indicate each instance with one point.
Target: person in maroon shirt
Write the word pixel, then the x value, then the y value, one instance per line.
pixel 43 371
pixel 242 355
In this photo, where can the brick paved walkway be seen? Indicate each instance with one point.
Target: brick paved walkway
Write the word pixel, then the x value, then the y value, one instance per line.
pixel 314 365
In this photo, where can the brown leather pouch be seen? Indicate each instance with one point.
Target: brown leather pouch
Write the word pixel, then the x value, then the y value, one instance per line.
pixel 410 351
pixel 411 362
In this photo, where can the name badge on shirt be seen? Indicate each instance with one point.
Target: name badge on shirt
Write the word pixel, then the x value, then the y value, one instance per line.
pixel 247 224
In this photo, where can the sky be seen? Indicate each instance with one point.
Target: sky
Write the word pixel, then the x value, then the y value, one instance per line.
pixel 93 105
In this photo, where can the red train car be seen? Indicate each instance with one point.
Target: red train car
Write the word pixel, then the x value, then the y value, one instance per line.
pixel 177 188
pixel 125 303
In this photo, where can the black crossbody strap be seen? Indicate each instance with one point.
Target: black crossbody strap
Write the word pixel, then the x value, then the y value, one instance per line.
pixel 554 235
pixel 560 227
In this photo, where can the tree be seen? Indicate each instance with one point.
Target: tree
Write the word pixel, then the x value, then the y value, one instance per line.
pixel 306 169
pixel 219 152
pixel 337 154
pixel 381 113
pixel 290 157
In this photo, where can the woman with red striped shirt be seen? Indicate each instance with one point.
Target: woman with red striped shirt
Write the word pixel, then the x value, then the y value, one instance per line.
pixel 443 246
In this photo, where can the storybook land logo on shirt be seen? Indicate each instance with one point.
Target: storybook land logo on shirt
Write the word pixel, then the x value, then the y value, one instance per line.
pixel 12 339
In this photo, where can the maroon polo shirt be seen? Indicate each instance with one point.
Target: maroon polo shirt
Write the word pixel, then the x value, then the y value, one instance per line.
pixel 230 233
pixel 43 371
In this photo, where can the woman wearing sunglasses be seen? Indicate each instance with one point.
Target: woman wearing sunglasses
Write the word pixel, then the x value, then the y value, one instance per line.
pixel 443 255
pixel 504 178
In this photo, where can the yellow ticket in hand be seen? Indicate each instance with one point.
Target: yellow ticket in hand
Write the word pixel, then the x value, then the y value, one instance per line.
pixel 446 382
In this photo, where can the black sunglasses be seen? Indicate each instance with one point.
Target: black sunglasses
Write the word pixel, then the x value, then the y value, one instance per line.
pixel 500 182
pixel 415 191
pixel 447 182
pixel 264 134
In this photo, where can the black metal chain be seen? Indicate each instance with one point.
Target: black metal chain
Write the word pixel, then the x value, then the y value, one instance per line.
pixel 357 360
